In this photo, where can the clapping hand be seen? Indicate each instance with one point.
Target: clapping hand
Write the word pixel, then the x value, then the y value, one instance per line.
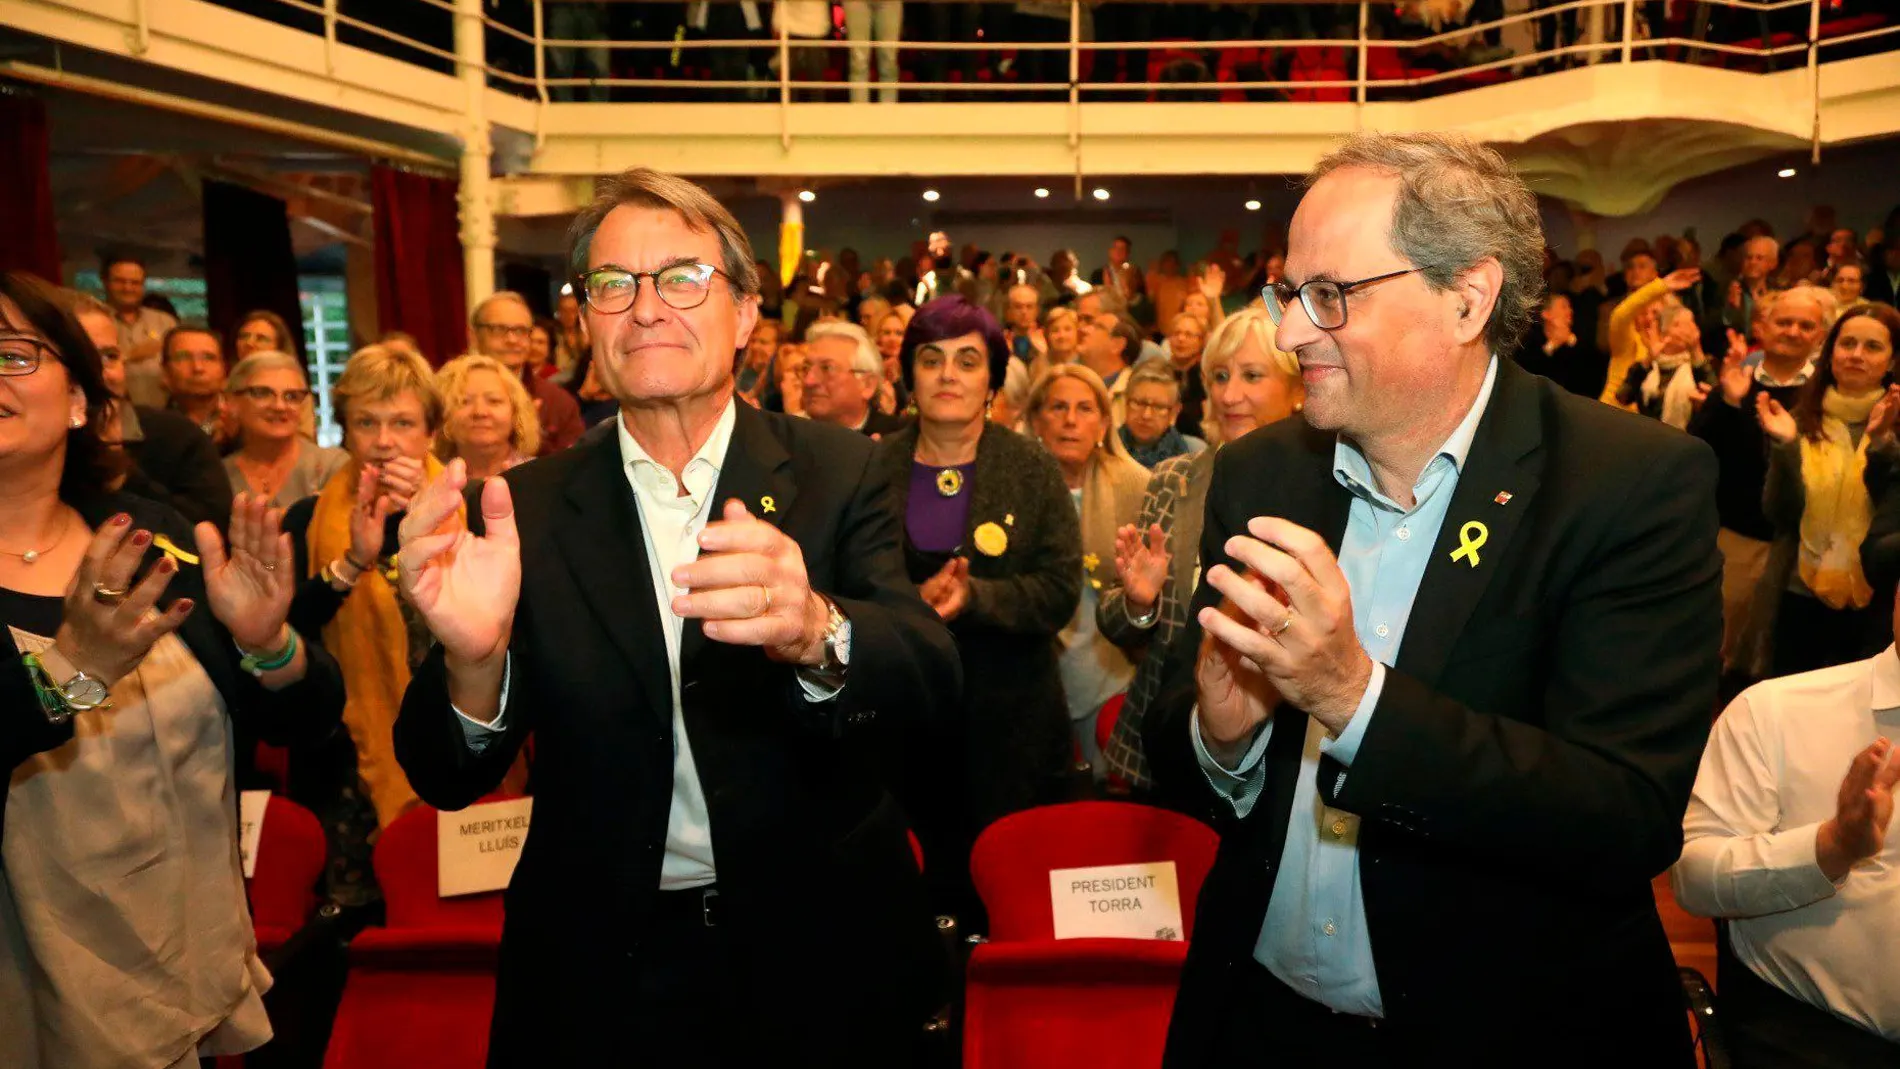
pixel 750 587
pixel 948 591
pixel 107 625
pixel 401 477
pixel 1141 565
pixel 1734 377
pixel 250 581
pixel 367 519
pixel 1682 278
pixel 1862 812
pixel 465 587
pixel 1776 422
pixel 1880 422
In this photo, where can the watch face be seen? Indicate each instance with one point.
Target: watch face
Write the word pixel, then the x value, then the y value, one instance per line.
pixel 85 692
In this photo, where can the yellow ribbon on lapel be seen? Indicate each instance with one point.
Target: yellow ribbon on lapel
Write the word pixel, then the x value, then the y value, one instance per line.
pixel 1471 538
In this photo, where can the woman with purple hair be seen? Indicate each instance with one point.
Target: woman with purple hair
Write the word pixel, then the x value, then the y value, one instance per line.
pixel 993 543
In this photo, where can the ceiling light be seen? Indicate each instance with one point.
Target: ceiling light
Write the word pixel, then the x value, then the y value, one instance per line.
pixel 1785 172
pixel 1253 205
pixel 807 196
pixel 931 195
pixel 1100 193
pixel 1041 192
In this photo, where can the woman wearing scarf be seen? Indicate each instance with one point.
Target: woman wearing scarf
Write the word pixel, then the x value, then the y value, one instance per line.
pixel 1666 383
pixel 1152 432
pixel 1815 589
pixel 1068 411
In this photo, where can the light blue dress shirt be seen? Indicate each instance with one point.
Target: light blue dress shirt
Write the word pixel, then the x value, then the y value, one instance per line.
pixel 1314 937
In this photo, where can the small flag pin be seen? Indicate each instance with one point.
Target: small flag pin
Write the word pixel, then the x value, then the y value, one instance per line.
pixel 1503 498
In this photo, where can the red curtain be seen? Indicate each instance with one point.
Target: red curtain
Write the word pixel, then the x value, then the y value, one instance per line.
pixel 419 287
pixel 26 188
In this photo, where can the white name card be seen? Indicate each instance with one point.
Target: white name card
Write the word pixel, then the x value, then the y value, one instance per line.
pixel 1117 902
pixel 476 849
pixel 251 806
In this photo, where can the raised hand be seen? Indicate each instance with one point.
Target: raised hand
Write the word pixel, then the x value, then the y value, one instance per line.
pixel 1776 421
pixel 401 478
pixel 106 627
pixel 1213 282
pixel 1862 811
pixel 465 587
pixel 1735 294
pixel 1880 422
pixel 1682 278
pixel 249 583
pixel 1142 566
pixel 1734 377
pixel 373 507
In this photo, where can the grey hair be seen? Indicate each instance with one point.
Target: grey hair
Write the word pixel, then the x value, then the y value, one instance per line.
pixel 700 210
pixel 266 360
pixel 864 358
pixel 1459 204
pixel 1769 239
pixel 498 297
pixel 1154 370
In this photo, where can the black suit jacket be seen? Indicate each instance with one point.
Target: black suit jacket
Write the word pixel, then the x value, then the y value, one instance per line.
pixel 178 464
pixel 821 893
pixel 1530 758
pixel 878 424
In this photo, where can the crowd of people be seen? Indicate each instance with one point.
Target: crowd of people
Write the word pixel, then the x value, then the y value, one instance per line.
pixel 1029 465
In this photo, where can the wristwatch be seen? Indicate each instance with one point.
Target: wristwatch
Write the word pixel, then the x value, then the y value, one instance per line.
pixel 837 642
pixel 73 689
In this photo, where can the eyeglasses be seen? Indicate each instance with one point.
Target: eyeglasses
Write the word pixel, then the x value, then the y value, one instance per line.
pixel 505 330
pixel 825 369
pixel 1324 299
pixel 20 354
pixel 254 337
pixel 1155 407
pixel 265 395
pixel 611 290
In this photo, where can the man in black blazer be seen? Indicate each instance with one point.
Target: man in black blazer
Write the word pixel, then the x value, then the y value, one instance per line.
pixel 717 874
pixel 1450 706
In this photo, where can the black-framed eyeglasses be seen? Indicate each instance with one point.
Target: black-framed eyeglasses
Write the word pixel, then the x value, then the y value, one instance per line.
pixel 265 395
pixel 610 290
pixel 20 354
pixel 1324 299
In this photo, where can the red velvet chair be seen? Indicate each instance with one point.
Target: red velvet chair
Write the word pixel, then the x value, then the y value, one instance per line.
pixel 422 989
pixel 290 854
pixel 1032 1000
pixel 1105 729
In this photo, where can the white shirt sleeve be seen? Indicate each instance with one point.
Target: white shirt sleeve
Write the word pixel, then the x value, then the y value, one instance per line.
pixel 1737 859
pixel 477 734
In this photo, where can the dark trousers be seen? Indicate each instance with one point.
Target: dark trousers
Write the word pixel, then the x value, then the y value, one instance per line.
pixel 1767 1028
pixel 1809 635
pixel 685 1005
pixel 1302 1032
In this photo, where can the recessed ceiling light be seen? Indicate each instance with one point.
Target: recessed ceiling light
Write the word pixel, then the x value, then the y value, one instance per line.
pixel 1041 192
pixel 1100 193
pixel 930 195
pixel 807 196
pixel 1785 172
pixel 1253 205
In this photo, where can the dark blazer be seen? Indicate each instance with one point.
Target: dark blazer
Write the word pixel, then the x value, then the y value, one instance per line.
pixel 1579 367
pixel 177 464
pixel 1011 748
pixel 1531 755
pixel 822 895
pixel 878 424
pixel 306 712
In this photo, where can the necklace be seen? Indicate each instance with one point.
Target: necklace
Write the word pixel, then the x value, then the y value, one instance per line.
pixel 949 482
pixel 32 556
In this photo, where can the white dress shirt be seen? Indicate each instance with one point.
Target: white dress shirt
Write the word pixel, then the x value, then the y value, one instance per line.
pixel 1769 779
pixel 672 514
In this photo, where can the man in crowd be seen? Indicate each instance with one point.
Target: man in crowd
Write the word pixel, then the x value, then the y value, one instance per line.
pixel 1554 350
pixel 1107 344
pixel 1883 279
pixel 1119 276
pixel 1761 254
pixel 1795 855
pixel 718 654
pixel 171 459
pixel 1792 324
pixel 141 329
pixel 1451 663
pixel 194 378
pixel 500 328
pixel 1022 327
pixel 842 377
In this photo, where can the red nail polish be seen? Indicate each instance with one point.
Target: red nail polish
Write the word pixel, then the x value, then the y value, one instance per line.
pixel 165 565
pixel 121 520
pixel 140 538
pixel 184 606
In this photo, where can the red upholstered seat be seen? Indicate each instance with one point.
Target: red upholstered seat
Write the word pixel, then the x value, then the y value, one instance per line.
pixel 1315 63
pixel 1105 728
pixel 1032 1000
pixel 283 891
pixel 422 989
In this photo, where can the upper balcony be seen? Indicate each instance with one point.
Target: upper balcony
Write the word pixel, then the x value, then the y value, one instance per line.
pixel 1599 104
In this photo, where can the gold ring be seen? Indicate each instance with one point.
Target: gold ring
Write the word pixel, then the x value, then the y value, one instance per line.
pixel 106 595
pixel 767 591
pixel 1284 624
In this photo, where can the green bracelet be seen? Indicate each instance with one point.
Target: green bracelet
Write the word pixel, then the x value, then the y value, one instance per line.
pixel 258 665
pixel 51 702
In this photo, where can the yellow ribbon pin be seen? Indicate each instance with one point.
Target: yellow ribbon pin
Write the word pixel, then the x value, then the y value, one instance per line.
pixel 1471 538
pixel 170 549
pixel 766 504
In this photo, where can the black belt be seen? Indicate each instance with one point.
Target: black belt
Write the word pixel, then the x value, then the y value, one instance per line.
pixel 693 906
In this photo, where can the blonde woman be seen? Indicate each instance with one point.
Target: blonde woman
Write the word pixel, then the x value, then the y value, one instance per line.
pixel 1068 410
pixel 490 420
pixel 1250 384
pixel 1060 335
pixel 270 399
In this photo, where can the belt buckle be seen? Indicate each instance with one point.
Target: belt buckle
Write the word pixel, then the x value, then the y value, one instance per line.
pixel 706 907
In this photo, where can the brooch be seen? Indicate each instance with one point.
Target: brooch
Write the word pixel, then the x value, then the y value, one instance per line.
pixel 990 540
pixel 949 482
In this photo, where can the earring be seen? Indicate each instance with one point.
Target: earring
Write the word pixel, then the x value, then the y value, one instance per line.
pixel 78 422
